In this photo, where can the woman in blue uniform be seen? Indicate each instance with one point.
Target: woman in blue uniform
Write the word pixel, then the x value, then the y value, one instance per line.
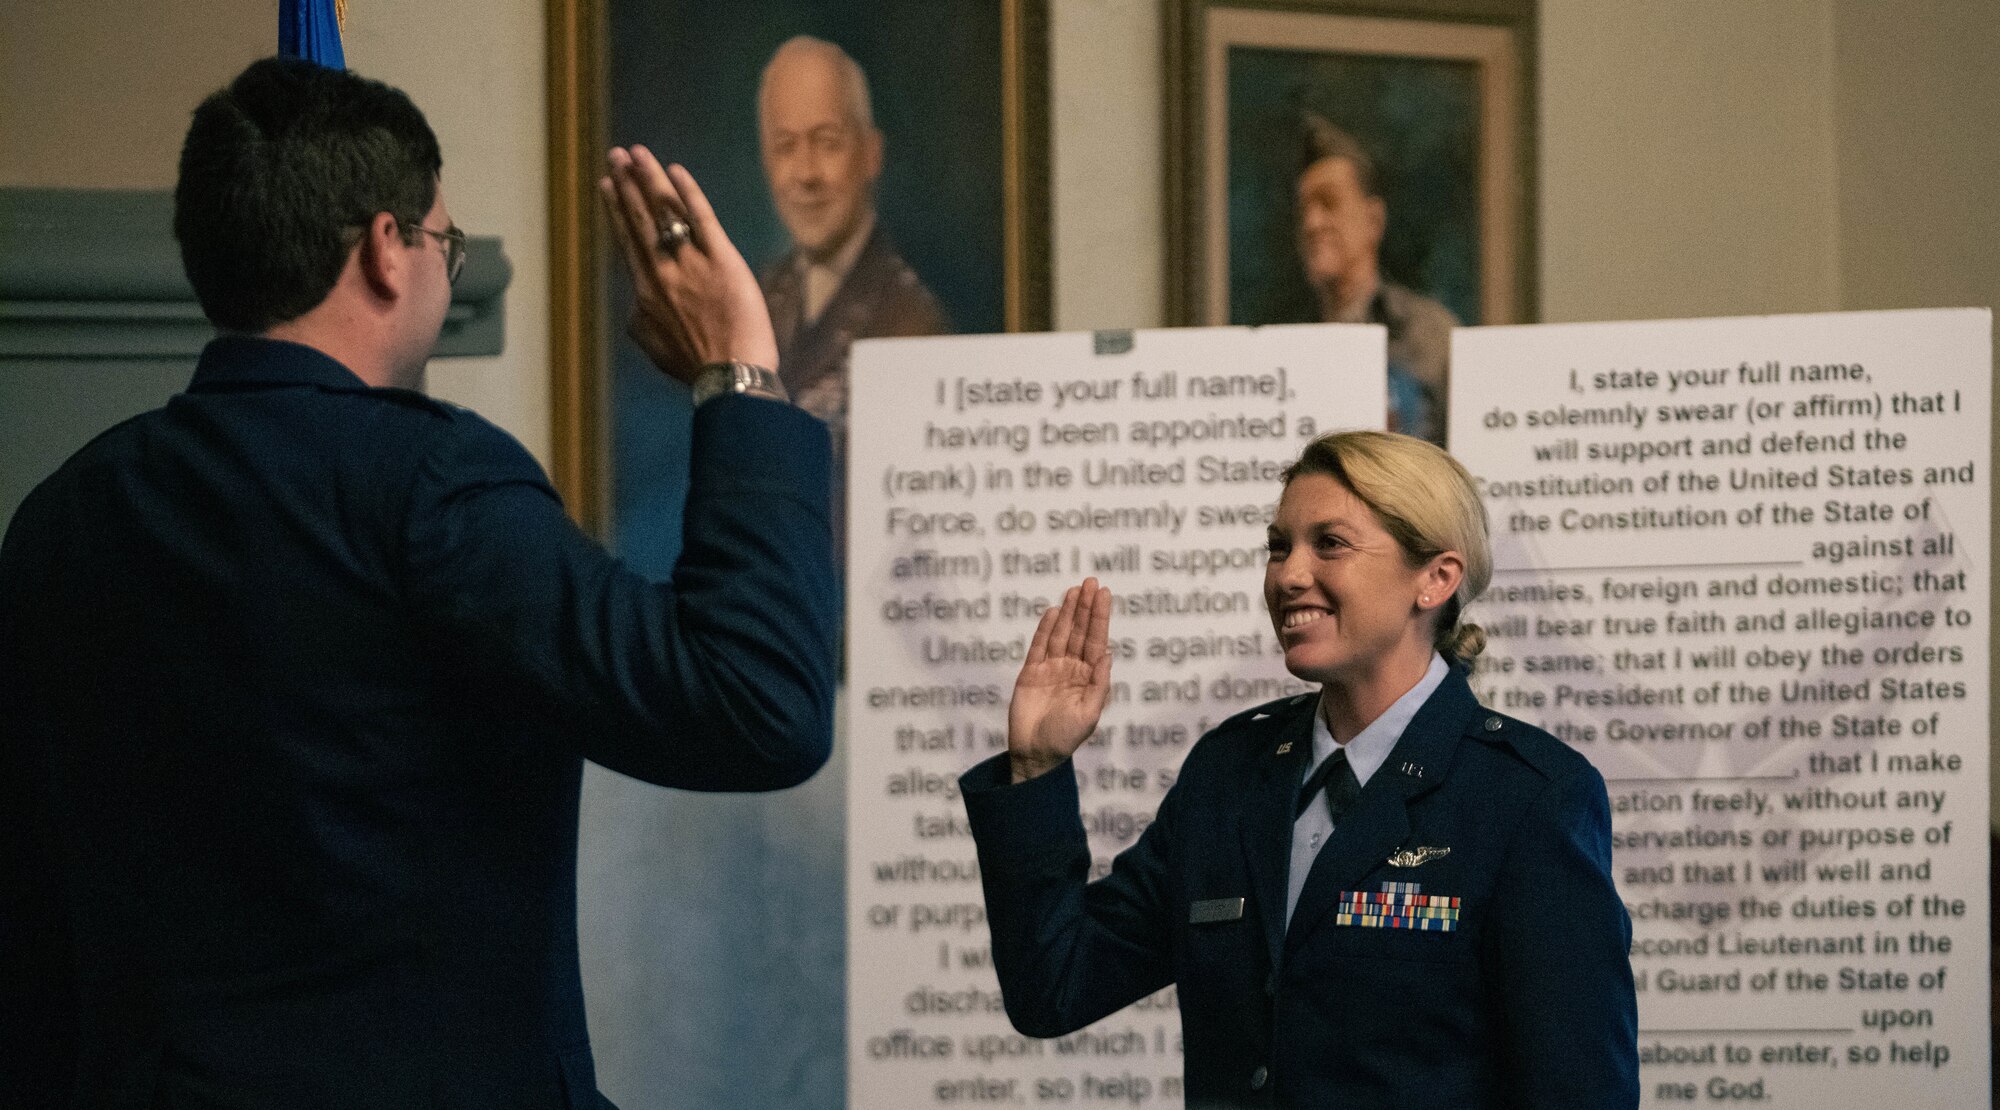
pixel 1379 894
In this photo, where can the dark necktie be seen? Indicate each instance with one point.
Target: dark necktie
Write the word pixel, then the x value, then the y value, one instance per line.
pixel 1337 778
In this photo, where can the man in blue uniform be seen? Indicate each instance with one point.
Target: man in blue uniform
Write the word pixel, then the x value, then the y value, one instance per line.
pixel 297 673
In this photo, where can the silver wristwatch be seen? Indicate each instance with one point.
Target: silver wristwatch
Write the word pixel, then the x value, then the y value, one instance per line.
pixel 718 378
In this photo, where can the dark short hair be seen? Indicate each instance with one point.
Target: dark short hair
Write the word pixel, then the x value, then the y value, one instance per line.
pixel 1320 139
pixel 279 172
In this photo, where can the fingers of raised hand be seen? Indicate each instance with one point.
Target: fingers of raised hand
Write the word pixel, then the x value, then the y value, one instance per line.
pixel 631 208
pixel 1085 608
pixel 1066 617
pixel 693 202
pixel 664 200
pixel 1096 647
pixel 646 201
pixel 654 338
pixel 633 242
pixel 1038 647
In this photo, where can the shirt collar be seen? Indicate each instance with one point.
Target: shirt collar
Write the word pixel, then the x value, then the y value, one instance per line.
pixel 843 260
pixel 1371 745
pixel 233 361
pixel 1365 309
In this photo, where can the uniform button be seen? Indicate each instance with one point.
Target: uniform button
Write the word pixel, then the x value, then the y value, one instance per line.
pixel 1260 1077
pixel 1493 724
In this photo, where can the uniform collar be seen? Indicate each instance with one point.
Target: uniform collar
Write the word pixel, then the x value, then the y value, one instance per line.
pixel 1379 821
pixel 1369 748
pixel 236 361
pixel 843 260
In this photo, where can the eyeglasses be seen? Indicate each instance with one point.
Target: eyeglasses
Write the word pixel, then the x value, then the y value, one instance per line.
pixel 454 247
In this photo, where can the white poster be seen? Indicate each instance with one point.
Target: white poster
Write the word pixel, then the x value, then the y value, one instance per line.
pixel 1743 567
pixel 986 475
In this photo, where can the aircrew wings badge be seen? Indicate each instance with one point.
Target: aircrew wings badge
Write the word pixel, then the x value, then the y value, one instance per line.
pixel 1417 857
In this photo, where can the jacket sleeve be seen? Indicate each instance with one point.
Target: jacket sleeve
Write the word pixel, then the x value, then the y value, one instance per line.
pixel 38 987
pixel 722 678
pixel 1067 952
pixel 1560 940
pixel 38 974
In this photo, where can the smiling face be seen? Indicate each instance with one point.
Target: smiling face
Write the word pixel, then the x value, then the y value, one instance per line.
pixel 820 156
pixel 1347 606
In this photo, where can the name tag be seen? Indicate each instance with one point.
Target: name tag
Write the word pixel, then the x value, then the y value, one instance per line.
pixel 1215 909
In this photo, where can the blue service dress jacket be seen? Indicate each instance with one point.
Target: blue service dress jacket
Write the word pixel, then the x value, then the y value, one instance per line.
pixel 1524 999
pixel 296 679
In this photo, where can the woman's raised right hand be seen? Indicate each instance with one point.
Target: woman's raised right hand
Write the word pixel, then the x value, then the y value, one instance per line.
pixel 1063 686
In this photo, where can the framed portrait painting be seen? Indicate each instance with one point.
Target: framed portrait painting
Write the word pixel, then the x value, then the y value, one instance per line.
pixel 882 165
pixel 956 94
pixel 1356 162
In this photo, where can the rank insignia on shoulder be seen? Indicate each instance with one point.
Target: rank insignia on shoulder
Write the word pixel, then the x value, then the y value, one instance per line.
pixel 1398 906
pixel 1417 857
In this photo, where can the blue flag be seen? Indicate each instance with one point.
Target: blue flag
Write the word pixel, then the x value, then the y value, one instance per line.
pixel 310 29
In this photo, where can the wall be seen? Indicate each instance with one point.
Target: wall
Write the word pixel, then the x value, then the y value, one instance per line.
pixel 1695 159
pixel 1687 160
pixel 476 69
pixel 1105 162
pixel 89 101
pixel 1916 107
pixel 1687 164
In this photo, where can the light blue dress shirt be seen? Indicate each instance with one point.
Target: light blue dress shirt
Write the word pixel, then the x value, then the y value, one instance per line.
pixel 1365 754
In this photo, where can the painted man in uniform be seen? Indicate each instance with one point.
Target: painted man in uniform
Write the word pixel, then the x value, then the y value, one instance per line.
pixel 842 280
pixel 1341 220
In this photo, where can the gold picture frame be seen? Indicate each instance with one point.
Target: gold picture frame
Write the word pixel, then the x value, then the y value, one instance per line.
pixel 578 113
pixel 1494 38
